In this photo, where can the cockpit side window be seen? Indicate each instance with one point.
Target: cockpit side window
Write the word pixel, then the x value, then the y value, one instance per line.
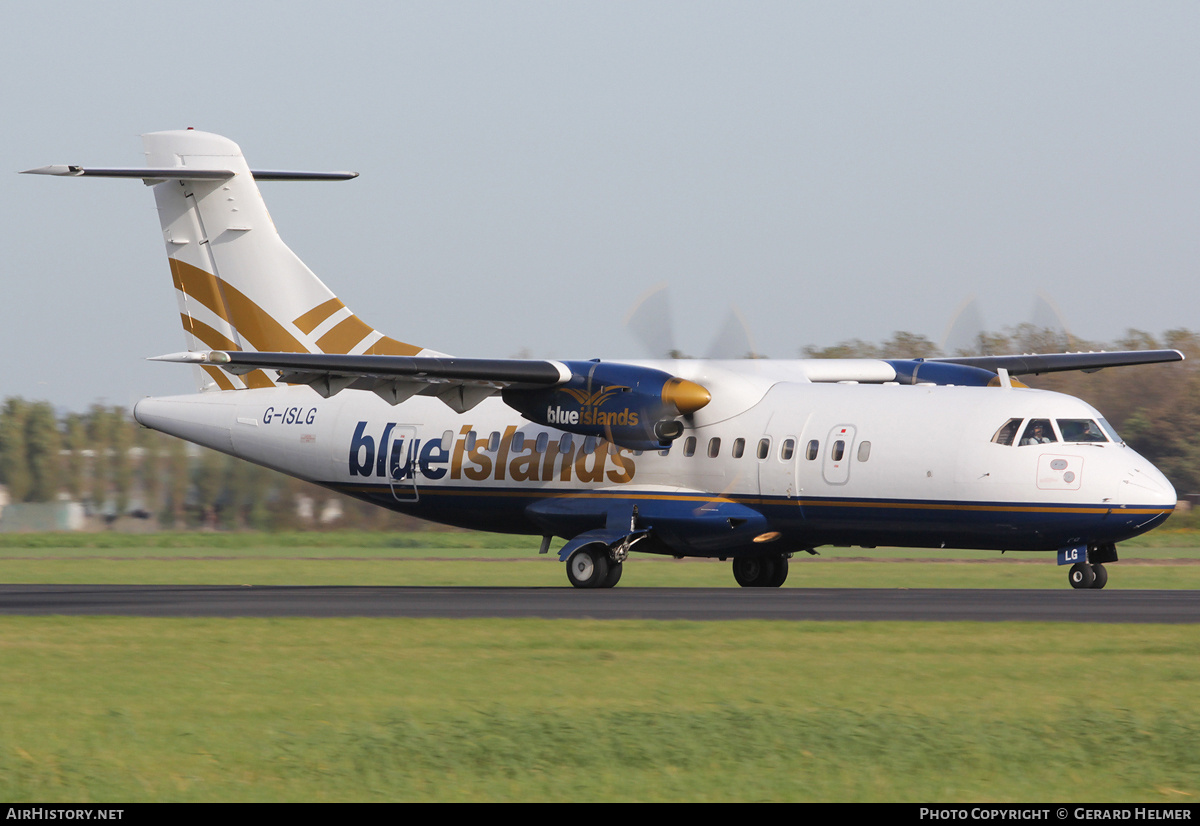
pixel 1007 432
pixel 1112 433
pixel 1038 432
pixel 1081 430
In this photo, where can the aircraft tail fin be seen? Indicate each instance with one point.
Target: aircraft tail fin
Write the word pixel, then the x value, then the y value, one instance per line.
pixel 238 285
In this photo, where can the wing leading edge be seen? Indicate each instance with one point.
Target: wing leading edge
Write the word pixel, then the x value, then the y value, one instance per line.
pixel 1035 364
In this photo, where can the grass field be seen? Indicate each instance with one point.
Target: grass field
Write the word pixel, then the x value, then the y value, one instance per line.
pixel 112 709
pixel 476 559
pixel 127 709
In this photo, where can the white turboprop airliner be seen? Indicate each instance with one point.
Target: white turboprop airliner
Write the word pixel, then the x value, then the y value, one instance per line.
pixel 745 460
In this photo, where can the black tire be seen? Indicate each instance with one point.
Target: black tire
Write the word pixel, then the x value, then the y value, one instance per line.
pixel 588 567
pixel 614 574
pixel 1081 575
pixel 781 572
pixel 755 571
pixel 1101 576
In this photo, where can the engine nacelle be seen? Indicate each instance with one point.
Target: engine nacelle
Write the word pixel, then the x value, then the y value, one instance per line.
pixel 634 407
pixel 919 371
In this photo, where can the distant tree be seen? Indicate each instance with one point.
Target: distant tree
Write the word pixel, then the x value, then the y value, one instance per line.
pixel 854 348
pixel 77 474
pixel 210 480
pixel 902 345
pixel 177 484
pixel 43 454
pixel 14 462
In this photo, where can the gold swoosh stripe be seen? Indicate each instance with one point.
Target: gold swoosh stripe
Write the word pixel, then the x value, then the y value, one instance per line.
pixel 252 322
pixel 262 332
pixel 313 318
pixel 219 377
pixel 217 341
pixel 390 347
pixel 195 283
pixel 257 379
pixel 211 338
pixel 344 335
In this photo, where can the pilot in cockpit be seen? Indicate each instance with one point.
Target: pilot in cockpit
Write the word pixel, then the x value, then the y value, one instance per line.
pixel 1038 433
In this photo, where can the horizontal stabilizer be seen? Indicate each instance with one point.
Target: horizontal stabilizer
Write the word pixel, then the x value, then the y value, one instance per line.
pixel 181 173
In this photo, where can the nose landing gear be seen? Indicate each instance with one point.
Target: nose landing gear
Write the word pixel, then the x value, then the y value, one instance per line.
pixel 1090 573
pixel 1085 575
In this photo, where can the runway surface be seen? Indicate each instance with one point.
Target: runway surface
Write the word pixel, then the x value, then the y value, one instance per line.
pixel 1106 606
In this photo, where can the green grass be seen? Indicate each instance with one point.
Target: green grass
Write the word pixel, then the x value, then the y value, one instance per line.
pixel 110 709
pixel 478 559
pixel 106 709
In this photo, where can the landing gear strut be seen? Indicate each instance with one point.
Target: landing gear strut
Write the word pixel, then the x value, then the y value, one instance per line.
pixel 767 571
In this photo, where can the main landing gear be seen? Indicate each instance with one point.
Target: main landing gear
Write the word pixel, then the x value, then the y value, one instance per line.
pixel 766 571
pixel 593 567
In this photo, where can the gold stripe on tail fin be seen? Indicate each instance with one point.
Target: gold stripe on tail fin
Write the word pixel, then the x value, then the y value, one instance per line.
pixel 313 318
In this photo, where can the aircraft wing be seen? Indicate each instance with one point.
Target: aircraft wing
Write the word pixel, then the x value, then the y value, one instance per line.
pixel 1057 362
pixel 461 383
pixel 634 406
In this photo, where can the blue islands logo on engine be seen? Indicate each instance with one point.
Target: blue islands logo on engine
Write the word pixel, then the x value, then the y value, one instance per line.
pixel 589 413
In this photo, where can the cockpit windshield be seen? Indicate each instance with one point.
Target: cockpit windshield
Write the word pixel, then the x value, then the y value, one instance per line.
pixel 1042 431
pixel 1081 430
pixel 1038 432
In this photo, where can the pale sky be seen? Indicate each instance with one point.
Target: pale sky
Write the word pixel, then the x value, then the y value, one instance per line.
pixel 837 170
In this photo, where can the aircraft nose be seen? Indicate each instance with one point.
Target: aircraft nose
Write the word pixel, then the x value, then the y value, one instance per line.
pixel 1144 484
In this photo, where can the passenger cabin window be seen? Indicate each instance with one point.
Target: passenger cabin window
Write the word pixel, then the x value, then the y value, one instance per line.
pixel 1007 432
pixel 564 443
pixel 493 443
pixel 764 448
pixel 689 446
pixel 714 447
pixel 811 451
pixel 739 448
pixel 518 442
pixel 1038 432
pixel 864 451
pixel 543 440
pixel 1081 430
pixel 788 450
pixel 839 450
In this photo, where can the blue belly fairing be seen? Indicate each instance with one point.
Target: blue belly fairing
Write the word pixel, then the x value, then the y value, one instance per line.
pixel 711 525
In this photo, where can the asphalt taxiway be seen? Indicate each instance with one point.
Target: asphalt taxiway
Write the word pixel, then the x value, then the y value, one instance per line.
pixel 706 604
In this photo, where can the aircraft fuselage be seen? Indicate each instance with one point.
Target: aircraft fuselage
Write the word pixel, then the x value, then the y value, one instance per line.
pixel 816 464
